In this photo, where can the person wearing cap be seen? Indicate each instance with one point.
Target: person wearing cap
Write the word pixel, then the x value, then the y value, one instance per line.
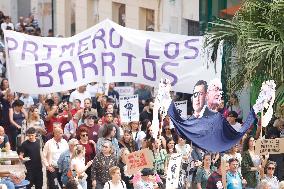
pixel 147 180
pixel 91 126
pixel 232 117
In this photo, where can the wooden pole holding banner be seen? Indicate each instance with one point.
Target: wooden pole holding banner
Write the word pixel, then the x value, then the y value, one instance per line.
pixel 261 122
pixel 223 172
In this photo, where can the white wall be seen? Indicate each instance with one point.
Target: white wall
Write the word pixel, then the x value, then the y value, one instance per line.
pixel 9 8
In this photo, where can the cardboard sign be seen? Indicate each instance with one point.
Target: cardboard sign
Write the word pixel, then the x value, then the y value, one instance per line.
pixel 139 160
pixel 129 108
pixel 271 146
pixel 181 107
pixel 173 171
pixel 107 52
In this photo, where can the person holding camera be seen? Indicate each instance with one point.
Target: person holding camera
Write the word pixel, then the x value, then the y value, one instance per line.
pixel 53 113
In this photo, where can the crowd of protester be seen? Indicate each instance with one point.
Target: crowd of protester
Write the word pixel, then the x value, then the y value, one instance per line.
pixel 77 137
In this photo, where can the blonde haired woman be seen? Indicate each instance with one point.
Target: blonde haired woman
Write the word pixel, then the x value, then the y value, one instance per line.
pixel 115 182
pixel 78 165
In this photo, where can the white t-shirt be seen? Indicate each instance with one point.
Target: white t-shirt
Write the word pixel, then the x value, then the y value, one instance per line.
pixel 80 164
pixel 237 126
pixel 95 89
pixel 81 96
pixel 110 185
pixel 138 136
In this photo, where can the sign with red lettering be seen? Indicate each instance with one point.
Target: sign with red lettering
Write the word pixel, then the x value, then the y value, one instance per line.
pixel 139 160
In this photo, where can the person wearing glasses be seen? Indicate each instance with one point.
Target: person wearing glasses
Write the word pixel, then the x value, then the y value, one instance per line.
pixel 214 94
pixel 104 160
pixel 52 150
pixel 269 176
pixel 199 100
pixel 91 126
pixel 234 178
pixel 31 148
pixel 90 151
pixel 64 161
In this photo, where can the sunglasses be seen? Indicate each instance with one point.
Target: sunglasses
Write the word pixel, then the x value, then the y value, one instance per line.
pixel 271 168
pixel 196 94
pixel 105 146
pixel 167 129
pixel 84 135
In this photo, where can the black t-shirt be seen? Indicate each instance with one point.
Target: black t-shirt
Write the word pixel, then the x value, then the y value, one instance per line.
pixel 32 150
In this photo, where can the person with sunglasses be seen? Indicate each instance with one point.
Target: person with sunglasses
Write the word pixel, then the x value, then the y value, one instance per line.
pixel 269 176
pixel 91 126
pixel 90 151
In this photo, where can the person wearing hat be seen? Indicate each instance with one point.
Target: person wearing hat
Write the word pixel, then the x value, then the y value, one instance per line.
pixel 91 126
pixel 232 117
pixel 148 180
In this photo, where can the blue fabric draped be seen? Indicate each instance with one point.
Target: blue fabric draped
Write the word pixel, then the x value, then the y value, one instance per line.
pixel 211 132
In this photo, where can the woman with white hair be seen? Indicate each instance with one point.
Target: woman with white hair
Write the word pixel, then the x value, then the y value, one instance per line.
pixel 103 161
pixel 264 185
pixel 78 165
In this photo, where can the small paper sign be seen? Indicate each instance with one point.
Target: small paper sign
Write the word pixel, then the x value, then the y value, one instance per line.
pixel 129 108
pixel 181 107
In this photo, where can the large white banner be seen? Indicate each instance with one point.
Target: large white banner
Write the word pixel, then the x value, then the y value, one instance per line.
pixel 129 108
pixel 107 52
pixel 181 107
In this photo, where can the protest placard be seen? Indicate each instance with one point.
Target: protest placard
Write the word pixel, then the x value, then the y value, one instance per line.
pixel 129 108
pixel 139 160
pixel 181 107
pixel 125 90
pixel 107 52
pixel 271 146
pixel 173 171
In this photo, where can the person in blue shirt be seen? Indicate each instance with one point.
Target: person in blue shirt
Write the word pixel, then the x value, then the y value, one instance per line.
pixel 234 178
